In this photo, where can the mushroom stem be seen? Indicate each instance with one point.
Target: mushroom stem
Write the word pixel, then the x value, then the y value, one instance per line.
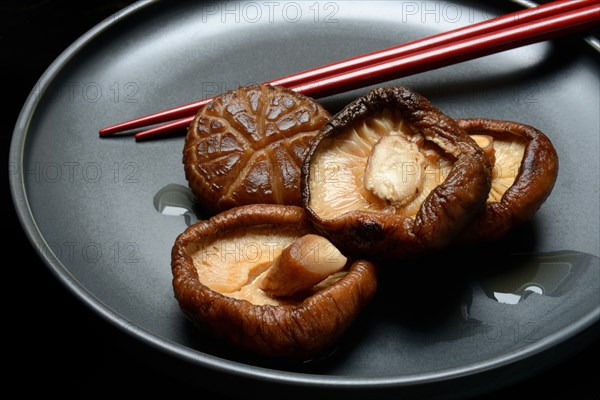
pixel 394 170
pixel 303 264
pixel 486 143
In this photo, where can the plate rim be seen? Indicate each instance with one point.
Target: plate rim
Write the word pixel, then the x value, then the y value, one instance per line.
pixel 196 357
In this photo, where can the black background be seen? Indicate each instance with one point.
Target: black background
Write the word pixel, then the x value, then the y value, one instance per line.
pixel 61 347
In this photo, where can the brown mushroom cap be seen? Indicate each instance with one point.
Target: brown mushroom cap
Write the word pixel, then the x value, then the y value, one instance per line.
pixel 524 173
pixel 455 183
pixel 296 327
pixel 247 147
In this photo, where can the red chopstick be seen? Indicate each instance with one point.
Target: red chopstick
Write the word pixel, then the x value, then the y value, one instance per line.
pixel 328 77
pixel 467 49
pixel 505 21
pixel 306 76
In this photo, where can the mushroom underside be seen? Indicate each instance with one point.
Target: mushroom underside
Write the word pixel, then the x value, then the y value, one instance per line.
pixel 391 176
pixel 220 266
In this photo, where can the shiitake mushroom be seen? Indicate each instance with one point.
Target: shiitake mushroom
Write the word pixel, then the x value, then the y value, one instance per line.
pixel 260 278
pixel 391 176
pixel 247 146
pixel 525 167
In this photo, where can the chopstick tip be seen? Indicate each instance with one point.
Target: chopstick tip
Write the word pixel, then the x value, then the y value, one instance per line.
pixel 107 130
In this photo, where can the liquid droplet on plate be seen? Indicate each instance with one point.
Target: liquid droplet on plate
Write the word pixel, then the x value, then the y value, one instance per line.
pixel 539 274
pixel 177 201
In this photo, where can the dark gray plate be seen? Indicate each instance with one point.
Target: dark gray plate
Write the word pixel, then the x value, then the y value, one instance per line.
pixel 103 214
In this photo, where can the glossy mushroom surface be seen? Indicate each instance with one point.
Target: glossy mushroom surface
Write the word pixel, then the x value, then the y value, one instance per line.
pixel 247 147
pixel 525 167
pixel 220 268
pixel 391 176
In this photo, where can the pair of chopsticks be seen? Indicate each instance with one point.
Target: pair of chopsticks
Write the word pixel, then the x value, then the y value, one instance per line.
pixel 492 36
